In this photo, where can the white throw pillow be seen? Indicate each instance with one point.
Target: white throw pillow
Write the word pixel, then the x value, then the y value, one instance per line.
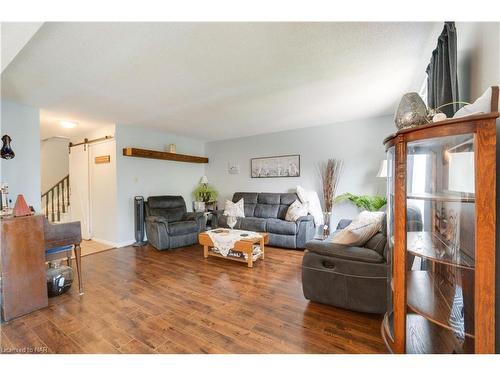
pixel 376 217
pixel 311 199
pixel 234 209
pixel 481 105
pixel 296 210
pixel 359 232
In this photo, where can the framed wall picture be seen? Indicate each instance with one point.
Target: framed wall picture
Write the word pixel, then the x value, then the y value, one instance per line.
pixel 275 166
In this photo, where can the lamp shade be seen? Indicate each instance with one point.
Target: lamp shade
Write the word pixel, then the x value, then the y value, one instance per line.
pixel 382 172
pixel 204 180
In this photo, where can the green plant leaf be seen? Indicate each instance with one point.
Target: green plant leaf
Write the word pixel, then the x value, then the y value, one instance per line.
pixel 205 193
pixel 365 202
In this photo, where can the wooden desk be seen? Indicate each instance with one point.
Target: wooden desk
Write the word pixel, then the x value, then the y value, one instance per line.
pixel 22 264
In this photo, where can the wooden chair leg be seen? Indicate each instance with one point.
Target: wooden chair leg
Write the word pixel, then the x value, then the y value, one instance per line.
pixel 78 258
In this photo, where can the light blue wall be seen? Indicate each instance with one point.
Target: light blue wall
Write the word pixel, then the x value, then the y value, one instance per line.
pixel 22 124
pixel 358 143
pixel 146 177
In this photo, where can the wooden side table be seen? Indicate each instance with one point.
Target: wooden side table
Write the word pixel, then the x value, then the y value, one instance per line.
pixel 24 287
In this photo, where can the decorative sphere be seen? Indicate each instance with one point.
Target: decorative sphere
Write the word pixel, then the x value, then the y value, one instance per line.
pixel 411 112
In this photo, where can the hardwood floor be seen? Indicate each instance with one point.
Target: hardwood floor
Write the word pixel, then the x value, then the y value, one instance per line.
pixel 139 300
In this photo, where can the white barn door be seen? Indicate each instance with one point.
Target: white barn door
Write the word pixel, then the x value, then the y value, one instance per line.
pixel 79 185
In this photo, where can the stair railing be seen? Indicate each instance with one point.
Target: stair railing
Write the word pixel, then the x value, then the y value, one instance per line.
pixel 56 199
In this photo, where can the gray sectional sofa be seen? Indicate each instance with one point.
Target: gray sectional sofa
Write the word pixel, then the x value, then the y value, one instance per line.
pixel 265 212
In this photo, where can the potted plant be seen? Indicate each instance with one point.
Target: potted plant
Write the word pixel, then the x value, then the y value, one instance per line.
pixel 204 194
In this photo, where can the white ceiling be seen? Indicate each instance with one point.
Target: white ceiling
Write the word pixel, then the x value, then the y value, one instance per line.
pixel 14 36
pixel 220 80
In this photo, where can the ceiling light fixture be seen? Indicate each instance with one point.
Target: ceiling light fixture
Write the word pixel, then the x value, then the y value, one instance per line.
pixel 68 124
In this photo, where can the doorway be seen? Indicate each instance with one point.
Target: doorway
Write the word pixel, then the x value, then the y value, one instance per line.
pixel 92 171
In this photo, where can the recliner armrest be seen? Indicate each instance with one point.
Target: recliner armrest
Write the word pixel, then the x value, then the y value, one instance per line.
pixel 193 215
pixel 156 219
pixel 334 250
pixel 199 217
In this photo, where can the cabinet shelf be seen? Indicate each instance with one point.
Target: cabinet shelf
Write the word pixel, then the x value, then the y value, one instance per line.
pixel 429 246
pixel 425 298
pixel 442 197
pixel 425 337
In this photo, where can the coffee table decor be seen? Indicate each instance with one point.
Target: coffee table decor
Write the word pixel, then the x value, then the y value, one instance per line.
pixel 240 245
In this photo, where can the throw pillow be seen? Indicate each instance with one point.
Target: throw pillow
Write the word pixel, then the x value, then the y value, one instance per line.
pixel 372 217
pixel 361 230
pixel 311 199
pixel 295 211
pixel 356 234
pixel 234 209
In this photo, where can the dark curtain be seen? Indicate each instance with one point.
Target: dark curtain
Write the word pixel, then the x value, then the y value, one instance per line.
pixel 442 79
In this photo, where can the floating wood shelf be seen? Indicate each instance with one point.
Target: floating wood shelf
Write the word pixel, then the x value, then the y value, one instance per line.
pixel 162 155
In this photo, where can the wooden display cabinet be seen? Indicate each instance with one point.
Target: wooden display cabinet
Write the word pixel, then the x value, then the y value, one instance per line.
pixel 441 285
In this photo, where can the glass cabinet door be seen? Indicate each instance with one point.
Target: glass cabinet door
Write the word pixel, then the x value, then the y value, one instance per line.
pixel 390 238
pixel 440 221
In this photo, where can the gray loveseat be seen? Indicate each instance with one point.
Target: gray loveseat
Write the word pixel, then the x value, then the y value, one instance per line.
pixel 169 225
pixel 265 212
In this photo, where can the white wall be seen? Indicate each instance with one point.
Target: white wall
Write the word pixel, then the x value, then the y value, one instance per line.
pixel 54 161
pixel 478 45
pixel 358 143
pixel 22 173
pixel 146 177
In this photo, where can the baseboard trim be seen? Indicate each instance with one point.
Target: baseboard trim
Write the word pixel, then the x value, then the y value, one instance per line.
pixel 108 243
pixel 114 244
pixel 125 243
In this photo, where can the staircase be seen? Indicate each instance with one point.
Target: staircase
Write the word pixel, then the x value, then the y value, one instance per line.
pixel 55 201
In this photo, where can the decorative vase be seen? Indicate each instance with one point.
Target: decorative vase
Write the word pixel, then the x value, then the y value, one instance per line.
pixel 411 112
pixel 326 227
pixel 199 206
pixel 7 152
pixel 231 221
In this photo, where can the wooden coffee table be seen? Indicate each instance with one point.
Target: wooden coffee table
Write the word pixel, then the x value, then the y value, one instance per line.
pixel 245 245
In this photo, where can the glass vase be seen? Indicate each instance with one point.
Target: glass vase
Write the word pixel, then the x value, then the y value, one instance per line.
pixel 326 227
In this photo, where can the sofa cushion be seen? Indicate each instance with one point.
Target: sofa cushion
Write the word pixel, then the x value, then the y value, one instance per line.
pixel 172 208
pixel 360 254
pixel 182 227
pixel 253 223
pixel 267 205
pixel 250 200
pixel 278 226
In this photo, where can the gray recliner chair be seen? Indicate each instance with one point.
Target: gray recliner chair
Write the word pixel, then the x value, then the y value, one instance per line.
pixel 169 225
pixel 353 278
